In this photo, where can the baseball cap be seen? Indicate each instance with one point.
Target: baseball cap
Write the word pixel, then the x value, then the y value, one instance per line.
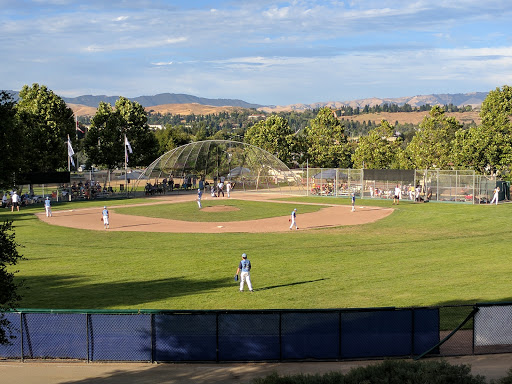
pixel 105 207
pixel 244 255
pixel 294 209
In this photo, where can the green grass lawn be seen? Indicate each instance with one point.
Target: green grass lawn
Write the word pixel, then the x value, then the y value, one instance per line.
pixel 246 210
pixel 421 255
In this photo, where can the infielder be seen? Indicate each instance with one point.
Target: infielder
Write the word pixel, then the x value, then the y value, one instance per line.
pixel 48 207
pixel 105 217
pixel 293 219
pixel 245 268
pixel 199 195
pixel 353 202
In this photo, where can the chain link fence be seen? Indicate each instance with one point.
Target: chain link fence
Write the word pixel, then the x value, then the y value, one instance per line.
pixel 267 335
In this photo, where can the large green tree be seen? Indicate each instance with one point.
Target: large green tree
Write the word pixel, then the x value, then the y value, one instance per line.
pixel 326 142
pixel 9 256
pixel 46 121
pixel 488 147
pixel 378 150
pixel 104 142
pixel 274 135
pixel 431 146
pixel 12 143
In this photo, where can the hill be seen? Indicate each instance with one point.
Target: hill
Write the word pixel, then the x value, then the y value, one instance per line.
pixel 175 109
pixel 473 99
pixel 412 117
pixel 160 99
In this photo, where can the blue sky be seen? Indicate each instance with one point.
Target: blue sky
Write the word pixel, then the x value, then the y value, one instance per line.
pixel 265 52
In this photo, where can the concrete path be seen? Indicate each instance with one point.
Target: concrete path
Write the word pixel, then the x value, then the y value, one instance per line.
pixel 490 366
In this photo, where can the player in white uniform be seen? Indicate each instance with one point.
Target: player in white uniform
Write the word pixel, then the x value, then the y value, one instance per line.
pixel 245 276
pixel 105 218
pixel 199 195
pixel 293 219
pixel 48 207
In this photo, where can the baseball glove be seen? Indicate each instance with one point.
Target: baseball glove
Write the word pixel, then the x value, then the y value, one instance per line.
pixel 236 277
pixel 289 220
pixel 101 219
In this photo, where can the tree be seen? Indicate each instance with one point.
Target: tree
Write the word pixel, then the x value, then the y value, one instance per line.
pixel 431 146
pixel 488 148
pixel 47 121
pixel 327 145
pixel 104 142
pixel 12 143
pixel 9 256
pixel 274 135
pixel 378 150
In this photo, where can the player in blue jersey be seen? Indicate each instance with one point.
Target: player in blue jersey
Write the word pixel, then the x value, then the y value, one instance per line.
pixel 199 195
pixel 48 207
pixel 245 268
pixel 293 219
pixel 105 215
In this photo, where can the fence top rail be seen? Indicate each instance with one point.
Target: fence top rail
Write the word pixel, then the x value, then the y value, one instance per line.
pixel 223 311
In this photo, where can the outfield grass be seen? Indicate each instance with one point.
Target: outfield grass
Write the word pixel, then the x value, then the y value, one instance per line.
pixel 422 254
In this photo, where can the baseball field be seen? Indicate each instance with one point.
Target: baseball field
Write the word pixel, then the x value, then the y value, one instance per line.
pixel 381 255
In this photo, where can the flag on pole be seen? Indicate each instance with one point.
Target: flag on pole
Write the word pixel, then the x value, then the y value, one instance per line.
pixel 78 125
pixel 70 152
pixel 127 143
pixel 127 149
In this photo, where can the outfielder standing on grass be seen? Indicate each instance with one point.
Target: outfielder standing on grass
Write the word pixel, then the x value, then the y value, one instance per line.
pixel 245 268
pixel 105 217
pixel 293 219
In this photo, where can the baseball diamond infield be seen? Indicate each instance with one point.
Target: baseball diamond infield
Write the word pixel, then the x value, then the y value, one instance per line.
pixel 328 217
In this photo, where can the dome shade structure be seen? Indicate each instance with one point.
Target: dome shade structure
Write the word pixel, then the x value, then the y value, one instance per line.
pixel 244 165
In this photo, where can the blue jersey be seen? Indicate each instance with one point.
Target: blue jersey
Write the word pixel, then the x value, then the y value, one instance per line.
pixel 105 212
pixel 47 203
pixel 353 199
pixel 294 214
pixel 245 266
pixel 199 194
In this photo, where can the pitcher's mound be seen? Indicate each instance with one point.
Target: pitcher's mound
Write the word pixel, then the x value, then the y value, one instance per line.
pixel 220 208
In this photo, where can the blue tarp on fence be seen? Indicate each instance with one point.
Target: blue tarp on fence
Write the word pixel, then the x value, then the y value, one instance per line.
pixel 224 335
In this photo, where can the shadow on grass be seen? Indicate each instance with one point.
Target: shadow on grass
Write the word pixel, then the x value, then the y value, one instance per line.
pixel 288 285
pixel 74 292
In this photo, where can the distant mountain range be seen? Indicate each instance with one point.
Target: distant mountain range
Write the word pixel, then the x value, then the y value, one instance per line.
pixel 474 99
pixel 162 98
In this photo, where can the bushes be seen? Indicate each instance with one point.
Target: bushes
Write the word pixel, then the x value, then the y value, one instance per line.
pixel 387 372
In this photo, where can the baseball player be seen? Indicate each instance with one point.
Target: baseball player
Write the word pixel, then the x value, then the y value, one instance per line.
pixel 398 195
pixel 245 268
pixel 293 219
pixel 495 196
pixel 15 201
pixel 48 207
pixel 353 202
pixel 105 217
pixel 199 195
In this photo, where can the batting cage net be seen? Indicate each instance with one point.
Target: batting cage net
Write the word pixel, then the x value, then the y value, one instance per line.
pixel 204 164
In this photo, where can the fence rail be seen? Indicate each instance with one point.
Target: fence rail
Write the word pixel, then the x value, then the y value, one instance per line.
pixel 267 335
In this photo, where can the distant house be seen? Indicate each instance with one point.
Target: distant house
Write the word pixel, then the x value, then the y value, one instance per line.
pixel 156 126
